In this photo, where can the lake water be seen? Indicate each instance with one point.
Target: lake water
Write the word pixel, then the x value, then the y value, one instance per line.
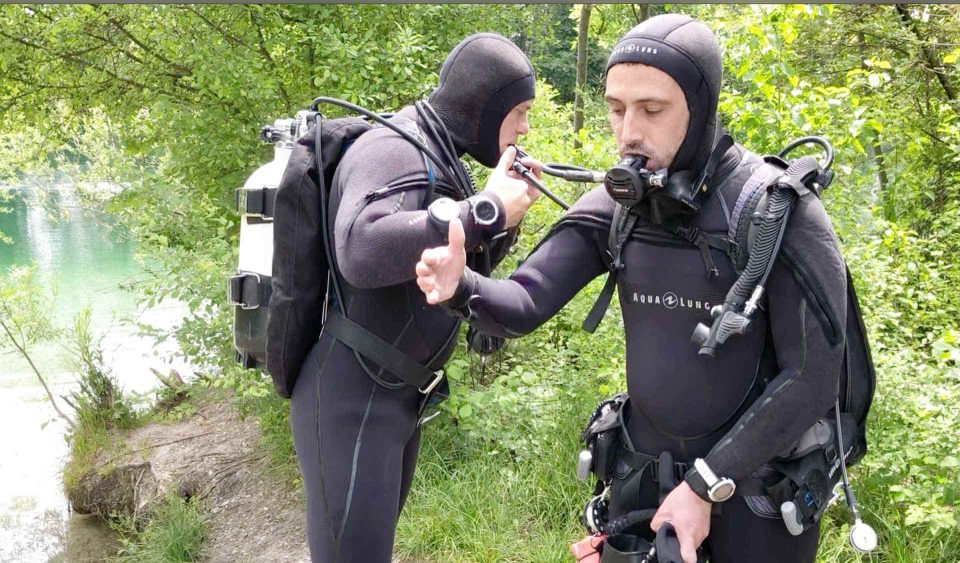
pixel 87 261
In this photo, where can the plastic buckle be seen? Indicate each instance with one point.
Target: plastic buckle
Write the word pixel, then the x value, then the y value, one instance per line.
pixel 433 383
pixel 235 290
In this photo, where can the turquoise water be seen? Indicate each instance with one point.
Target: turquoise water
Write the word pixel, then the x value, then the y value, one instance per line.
pixel 86 261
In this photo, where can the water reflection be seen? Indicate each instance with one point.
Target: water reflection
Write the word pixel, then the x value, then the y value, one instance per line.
pixel 86 260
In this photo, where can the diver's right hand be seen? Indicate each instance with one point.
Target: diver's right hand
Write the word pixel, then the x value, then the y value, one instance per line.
pixel 439 269
pixel 514 192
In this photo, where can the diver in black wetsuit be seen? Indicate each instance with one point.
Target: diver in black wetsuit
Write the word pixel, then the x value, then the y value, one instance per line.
pixel 355 424
pixel 734 412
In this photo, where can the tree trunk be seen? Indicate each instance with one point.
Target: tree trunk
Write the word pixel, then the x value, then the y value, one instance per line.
pixel 877 144
pixel 582 33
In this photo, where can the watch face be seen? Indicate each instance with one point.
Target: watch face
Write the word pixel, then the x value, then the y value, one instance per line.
pixel 723 490
pixel 485 211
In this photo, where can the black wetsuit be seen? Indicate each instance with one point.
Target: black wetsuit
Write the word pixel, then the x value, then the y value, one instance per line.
pixel 737 410
pixel 355 426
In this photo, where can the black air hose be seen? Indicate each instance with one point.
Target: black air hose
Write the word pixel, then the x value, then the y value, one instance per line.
pixel 628 520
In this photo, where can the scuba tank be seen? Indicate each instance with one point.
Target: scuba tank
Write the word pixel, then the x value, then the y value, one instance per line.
pixel 249 289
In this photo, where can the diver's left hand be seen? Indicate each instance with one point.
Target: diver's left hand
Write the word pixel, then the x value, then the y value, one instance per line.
pixel 690 516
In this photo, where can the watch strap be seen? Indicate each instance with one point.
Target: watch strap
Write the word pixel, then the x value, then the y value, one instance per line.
pixel 697 484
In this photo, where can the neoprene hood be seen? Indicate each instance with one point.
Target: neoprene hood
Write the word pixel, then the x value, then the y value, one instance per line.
pixel 484 77
pixel 687 51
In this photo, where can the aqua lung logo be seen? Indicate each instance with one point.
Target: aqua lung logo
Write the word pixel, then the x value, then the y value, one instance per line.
pixel 633 48
pixel 670 300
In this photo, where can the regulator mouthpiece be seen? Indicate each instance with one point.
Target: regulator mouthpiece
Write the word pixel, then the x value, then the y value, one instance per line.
pixel 625 182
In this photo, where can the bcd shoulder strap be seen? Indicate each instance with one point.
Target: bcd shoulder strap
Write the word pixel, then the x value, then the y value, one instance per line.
pixel 620 228
pixel 337 323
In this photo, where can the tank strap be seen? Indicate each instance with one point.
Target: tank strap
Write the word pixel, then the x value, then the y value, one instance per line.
pixel 382 353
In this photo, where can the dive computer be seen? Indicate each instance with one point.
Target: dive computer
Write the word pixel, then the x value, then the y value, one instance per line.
pixel 703 481
pixel 441 212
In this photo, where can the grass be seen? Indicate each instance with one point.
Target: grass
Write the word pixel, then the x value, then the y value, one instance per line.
pixel 173 533
pixel 471 504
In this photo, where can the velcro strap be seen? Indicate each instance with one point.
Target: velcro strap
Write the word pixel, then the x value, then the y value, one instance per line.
pixel 256 202
pixel 249 290
pixel 381 352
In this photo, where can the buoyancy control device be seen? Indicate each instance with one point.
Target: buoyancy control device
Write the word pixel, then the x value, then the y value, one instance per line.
pixel 817 463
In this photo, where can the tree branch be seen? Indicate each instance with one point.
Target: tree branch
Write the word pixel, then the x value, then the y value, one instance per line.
pixel 930 58
pixel 266 54
pixel 21 348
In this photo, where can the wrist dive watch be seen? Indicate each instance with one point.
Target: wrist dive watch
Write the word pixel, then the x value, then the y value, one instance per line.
pixel 703 481
pixel 485 212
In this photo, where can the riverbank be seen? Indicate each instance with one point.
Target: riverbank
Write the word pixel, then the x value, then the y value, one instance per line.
pixel 213 456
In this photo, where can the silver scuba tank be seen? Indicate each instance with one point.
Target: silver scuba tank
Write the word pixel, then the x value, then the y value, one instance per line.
pixel 249 289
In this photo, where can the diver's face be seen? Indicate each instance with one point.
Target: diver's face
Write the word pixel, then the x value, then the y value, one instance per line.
pixel 647 111
pixel 514 125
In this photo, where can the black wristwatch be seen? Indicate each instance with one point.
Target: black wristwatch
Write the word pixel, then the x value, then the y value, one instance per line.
pixel 703 481
pixel 485 211
pixel 441 212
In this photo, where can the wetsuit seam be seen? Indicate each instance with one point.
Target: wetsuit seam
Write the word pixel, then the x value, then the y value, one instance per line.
pixel 316 422
pixel 723 205
pixel 353 469
pixel 343 189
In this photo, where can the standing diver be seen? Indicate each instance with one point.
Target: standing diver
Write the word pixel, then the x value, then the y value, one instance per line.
pixel 355 424
pixel 719 419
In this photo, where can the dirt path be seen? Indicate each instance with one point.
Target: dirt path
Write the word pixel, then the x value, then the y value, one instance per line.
pixel 211 455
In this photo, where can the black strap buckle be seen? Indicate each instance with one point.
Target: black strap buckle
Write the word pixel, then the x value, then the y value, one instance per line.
pixel 248 290
pixel 255 202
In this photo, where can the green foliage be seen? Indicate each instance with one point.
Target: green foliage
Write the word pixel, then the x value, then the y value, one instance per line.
pixel 99 399
pixel 23 306
pixel 497 508
pixel 166 102
pixel 98 402
pixel 173 533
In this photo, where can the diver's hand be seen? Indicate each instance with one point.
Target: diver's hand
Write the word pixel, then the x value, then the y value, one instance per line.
pixel 690 516
pixel 439 269
pixel 515 194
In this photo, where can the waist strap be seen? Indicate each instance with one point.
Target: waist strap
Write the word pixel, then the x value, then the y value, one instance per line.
pixel 382 352
pixel 640 461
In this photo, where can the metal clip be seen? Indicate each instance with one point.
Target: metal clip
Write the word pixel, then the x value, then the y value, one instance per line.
pixel 433 383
